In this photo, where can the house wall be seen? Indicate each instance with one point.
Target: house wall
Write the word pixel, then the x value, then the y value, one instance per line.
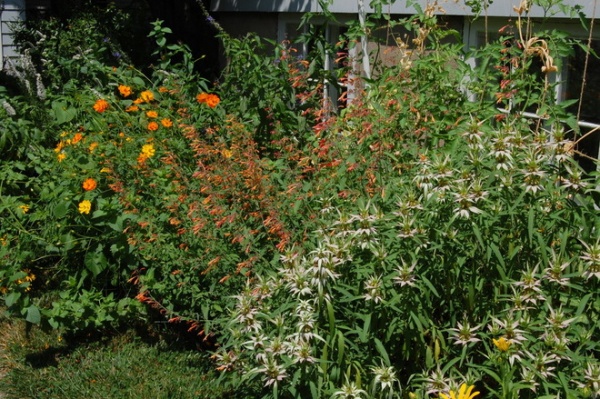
pixel 451 7
pixel 10 11
pixel 238 25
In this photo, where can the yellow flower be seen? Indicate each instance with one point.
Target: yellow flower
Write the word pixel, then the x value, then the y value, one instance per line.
pixel 148 150
pixel 464 392
pixel 24 208
pixel 226 153
pixel 502 344
pixel 125 91
pixel 85 206
pixel 61 144
pixel 92 147
pixel 105 170
pixel 61 157
pixel 146 96
pixel 152 114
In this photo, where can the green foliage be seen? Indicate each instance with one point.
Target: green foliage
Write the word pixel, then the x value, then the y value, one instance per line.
pixel 428 236
pixel 119 364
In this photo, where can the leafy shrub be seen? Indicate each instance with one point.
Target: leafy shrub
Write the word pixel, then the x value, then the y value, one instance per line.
pixel 414 244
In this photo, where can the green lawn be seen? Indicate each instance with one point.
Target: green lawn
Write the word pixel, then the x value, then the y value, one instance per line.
pixel 120 365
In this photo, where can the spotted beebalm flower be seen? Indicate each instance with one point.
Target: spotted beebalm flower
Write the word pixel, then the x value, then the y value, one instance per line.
pixel 464 392
pixel 100 105
pixel 464 333
pixel 385 377
pixel 89 184
pixel 350 391
pixel 373 288
pixel 85 207
pixel 125 91
pixel 406 274
pixel 591 259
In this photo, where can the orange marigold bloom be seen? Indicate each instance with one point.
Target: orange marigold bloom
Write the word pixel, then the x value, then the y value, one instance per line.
pixel 92 147
pixel 101 105
pixel 89 184
pixel 147 96
pixel 77 138
pixel 152 126
pixel 213 100
pixel 166 122
pixel 125 91
pixel 152 114
pixel 201 98
pixel 162 89
pixel 132 108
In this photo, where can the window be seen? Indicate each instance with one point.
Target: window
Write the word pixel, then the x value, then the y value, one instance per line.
pixel 569 79
pixel 290 31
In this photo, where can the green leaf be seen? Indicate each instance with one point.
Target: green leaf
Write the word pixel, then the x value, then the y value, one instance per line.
pixel 11 299
pixel 33 315
pixel 382 352
pixel 60 210
pixel 62 112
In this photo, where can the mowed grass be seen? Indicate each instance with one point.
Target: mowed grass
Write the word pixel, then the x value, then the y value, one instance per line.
pixel 121 365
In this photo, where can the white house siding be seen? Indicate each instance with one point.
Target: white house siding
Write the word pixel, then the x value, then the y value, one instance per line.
pixel 10 11
pixel 499 8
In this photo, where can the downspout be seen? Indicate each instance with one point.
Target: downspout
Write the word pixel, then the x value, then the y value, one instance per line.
pixel 364 40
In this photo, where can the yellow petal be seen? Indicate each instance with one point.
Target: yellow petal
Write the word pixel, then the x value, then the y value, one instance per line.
pixel 461 391
pixel 443 396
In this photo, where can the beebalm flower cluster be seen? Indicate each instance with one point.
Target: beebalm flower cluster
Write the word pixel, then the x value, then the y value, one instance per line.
pixel 23 70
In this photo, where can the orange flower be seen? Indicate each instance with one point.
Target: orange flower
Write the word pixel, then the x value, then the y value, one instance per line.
pixel 77 138
pixel 162 89
pixel 89 184
pixel 132 108
pixel 166 122
pixel 201 98
pixel 61 156
pixel 152 126
pixel 212 100
pixel 147 96
pixel 101 105
pixel 125 91
pixel 152 114
pixel 92 147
